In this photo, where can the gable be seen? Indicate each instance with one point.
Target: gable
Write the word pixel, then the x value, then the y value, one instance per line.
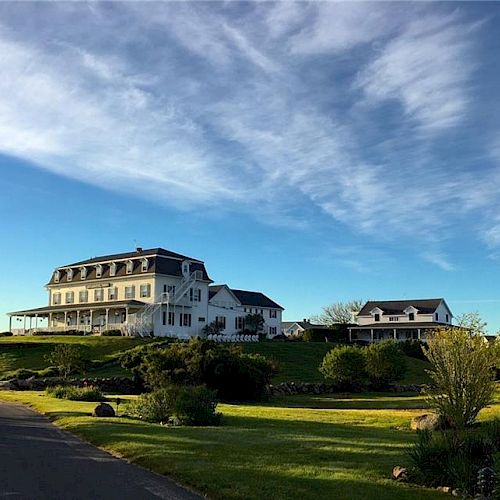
pixel 222 293
pixel 395 307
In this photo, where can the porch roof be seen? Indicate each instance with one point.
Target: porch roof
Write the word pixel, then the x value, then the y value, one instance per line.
pixel 400 326
pixel 45 311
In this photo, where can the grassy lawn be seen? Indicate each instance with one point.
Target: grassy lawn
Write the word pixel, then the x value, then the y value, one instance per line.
pixel 30 352
pixel 307 447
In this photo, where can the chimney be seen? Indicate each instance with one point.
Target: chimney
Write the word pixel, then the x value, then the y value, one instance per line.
pixel 305 320
pixel 138 249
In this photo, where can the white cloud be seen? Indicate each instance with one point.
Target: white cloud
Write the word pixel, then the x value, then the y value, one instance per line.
pixel 439 259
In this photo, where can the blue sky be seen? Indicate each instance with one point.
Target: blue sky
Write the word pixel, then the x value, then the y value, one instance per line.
pixel 314 151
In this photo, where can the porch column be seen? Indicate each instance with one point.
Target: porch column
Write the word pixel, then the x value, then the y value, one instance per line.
pixel 50 320
pixel 10 323
pixel 65 320
pixel 24 328
pixel 126 315
pixel 395 334
pixel 418 334
pixel 107 319
pixel 77 318
pixel 90 316
pixel 36 321
pixel 350 331
pixel 371 335
pixel 30 322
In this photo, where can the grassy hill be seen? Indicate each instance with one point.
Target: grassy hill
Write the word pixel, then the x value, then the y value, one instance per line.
pixel 298 361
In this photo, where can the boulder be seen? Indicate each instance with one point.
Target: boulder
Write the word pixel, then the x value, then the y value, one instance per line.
pixel 400 473
pixel 103 410
pixel 427 422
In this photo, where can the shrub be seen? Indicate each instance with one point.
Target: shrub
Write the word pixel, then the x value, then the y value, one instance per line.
pixel 413 349
pixel 68 359
pixel 89 393
pixel 111 333
pixel 336 333
pixel 385 363
pixel 23 373
pixel 462 373
pixel 445 458
pixel 224 368
pixel 154 406
pixel 6 334
pixel 195 405
pixel 43 333
pixel 344 365
pixel 50 371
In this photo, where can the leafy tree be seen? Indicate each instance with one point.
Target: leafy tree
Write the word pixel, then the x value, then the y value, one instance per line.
pixel 462 373
pixel 385 363
pixel 344 365
pixel 68 359
pixel 339 313
pixel 254 323
pixel 473 322
pixel 213 328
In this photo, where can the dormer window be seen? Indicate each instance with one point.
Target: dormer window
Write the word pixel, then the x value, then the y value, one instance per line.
pixel 376 317
pixel 130 266
pixel 69 275
pixel 98 271
pixel 57 276
pixel 185 268
pixel 83 273
pixel 144 265
pixel 411 316
pixel 112 269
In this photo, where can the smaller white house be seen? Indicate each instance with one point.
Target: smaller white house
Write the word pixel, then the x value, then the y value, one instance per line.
pixel 295 328
pixel 400 319
pixel 229 307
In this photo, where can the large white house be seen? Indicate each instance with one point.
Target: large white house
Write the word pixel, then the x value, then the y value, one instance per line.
pixel 400 319
pixel 145 292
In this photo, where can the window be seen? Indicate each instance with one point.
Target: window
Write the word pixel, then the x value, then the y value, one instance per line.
pixel 83 273
pixel 201 320
pixel 144 265
pixel 376 317
pixel 273 313
pixel 411 316
pixel 393 318
pixel 112 293
pixel 57 276
pixel 98 271
pixel 130 292
pixel 56 298
pixel 272 330
pixel 70 297
pixel 98 295
pixel 171 318
pixel 145 290
pixel 239 323
pixel 185 268
pixel 112 269
pixel 436 316
pixel 163 318
pixel 69 274
pixel 194 295
pixel 130 266
pixel 185 319
pixel 447 318
pixel 83 296
pixel 221 322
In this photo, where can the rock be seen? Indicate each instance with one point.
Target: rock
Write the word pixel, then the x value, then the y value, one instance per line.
pixel 427 422
pixel 400 473
pixel 456 493
pixel 444 489
pixel 103 410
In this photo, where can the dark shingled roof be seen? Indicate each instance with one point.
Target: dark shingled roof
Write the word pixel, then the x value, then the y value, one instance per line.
pixel 424 306
pixel 303 324
pixel 254 299
pixel 82 307
pixel 160 261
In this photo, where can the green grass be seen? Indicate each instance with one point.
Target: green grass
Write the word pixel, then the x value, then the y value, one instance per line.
pixel 304 447
pixel 30 352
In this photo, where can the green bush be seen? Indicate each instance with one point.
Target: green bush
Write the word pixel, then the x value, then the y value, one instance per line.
pixel 195 405
pixel 89 393
pixel 345 366
pixel 68 359
pixel 181 405
pixel 224 368
pixel 447 458
pixel 385 363
pixel 6 334
pixel 50 371
pixel 77 333
pixel 334 334
pixel 112 333
pixel 413 349
pixel 23 373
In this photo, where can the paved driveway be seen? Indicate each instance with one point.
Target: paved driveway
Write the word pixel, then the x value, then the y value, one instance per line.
pixel 40 461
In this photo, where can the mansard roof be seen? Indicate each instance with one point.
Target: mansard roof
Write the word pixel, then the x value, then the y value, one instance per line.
pixel 424 306
pixel 160 261
pixel 253 299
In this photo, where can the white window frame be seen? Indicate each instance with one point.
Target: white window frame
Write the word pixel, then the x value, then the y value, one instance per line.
pixel 98 271
pixel 130 292
pixel 56 298
pixel 144 265
pixel 129 267
pixel 83 273
pixel 85 294
pixel 112 269
pixel 145 290
pixel 71 296
pixel 113 293
pixel 57 276
pixel 99 292
pixel 69 275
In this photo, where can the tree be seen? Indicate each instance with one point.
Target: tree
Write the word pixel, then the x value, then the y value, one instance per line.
pixel 462 373
pixel 254 323
pixel 473 322
pixel 67 358
pixel 213 328
pixel 339 313
pixel 385 363
pixel 344 365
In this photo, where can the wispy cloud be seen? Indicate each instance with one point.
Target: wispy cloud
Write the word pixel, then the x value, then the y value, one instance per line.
pixel 254 108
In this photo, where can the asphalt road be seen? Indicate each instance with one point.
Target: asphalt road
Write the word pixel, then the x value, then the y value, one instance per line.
pixel 40 461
